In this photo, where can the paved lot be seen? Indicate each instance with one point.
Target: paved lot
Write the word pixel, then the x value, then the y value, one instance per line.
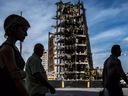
pixel 80 92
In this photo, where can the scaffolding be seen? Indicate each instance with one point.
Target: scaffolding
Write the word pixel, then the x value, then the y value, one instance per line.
pixel 73 53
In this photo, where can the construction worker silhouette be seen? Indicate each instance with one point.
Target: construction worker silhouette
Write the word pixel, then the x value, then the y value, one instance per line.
pixel 113 72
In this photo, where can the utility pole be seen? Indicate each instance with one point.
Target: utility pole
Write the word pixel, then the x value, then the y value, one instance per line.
pixel 20 41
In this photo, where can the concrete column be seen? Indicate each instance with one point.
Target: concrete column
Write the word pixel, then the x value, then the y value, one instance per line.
pixel 88 84
pixel 62 83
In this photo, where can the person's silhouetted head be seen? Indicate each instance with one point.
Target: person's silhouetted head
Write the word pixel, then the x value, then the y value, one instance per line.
pixel 116 50
pixel 13 24
pixel 39 49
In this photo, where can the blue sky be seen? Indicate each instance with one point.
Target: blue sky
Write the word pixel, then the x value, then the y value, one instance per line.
pixel 106 19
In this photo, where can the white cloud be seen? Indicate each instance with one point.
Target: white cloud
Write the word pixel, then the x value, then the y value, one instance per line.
pixel 125 40
pixel 104 14
pixel 107 35
pixel 96 15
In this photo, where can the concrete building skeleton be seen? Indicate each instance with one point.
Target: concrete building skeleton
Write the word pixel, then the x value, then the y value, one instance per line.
pixel 72 57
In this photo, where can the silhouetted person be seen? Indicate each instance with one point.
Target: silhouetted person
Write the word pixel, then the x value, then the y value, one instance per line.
pixel 113 72
pixel 36 78
pixel 11 62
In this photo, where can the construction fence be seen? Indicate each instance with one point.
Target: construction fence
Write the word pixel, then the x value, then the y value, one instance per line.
pixel 76 84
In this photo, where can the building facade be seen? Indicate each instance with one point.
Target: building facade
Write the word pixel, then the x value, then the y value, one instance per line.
pixel 51 57
pixel 45 60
